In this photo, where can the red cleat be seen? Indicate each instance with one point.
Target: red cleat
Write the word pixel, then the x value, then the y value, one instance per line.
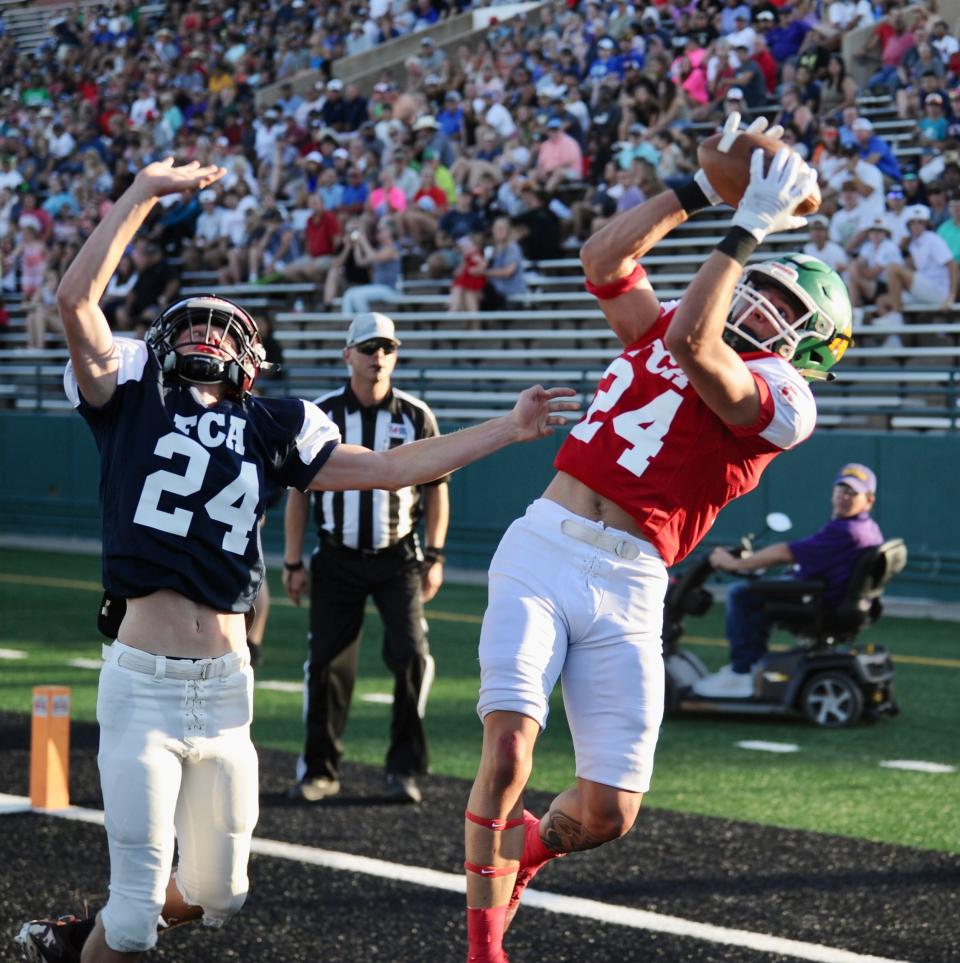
pixel 531 862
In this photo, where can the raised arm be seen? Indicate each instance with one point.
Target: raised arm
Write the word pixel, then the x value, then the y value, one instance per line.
pixel 362 251
pixel 609 259
pixel 695 336
pixel 78 298
pixel 535 414
pixel 610 256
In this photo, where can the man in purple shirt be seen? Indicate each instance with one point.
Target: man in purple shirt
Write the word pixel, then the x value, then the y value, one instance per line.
pixel 786 38
pixel 828 555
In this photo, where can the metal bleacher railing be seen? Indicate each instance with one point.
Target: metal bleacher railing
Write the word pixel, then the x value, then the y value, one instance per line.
pixel 470 366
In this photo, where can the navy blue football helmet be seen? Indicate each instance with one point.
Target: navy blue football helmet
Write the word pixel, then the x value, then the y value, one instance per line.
pixel 218 343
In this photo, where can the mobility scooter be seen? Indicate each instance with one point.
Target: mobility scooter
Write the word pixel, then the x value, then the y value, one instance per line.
pixel 830 677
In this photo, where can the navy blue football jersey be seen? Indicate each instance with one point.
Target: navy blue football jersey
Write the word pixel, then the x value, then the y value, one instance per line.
pixel 183 486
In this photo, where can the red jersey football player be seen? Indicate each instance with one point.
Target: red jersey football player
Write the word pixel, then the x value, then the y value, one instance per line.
pixel 706 392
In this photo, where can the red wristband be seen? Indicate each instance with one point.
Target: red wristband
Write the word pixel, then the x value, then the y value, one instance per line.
pixel 607 292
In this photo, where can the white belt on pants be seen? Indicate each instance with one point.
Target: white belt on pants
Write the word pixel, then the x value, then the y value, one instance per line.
pixel 621 547
pixel 161 667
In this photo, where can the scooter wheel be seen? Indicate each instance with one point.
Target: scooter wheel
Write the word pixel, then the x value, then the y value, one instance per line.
pixel 832 700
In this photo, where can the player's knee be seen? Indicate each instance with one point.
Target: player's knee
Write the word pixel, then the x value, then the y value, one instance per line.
pixel 611 816
pixel 219 907
pixel 218 898
pixel 510 761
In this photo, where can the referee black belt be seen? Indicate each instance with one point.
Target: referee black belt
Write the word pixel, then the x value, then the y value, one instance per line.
pixel 328 541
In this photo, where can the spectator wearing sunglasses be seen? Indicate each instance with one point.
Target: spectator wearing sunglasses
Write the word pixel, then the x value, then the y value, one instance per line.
pixel 368 547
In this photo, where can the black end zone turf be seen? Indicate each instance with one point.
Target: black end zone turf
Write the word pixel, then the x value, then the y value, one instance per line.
pixel 862 897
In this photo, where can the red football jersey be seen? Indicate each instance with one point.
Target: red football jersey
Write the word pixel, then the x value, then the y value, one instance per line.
pixel 650 444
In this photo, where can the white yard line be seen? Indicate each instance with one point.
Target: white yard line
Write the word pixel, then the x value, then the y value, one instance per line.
pixel 378 698
pixel 279 686
pixel 917 765
pixel 12 654
pixel 95 664
pixel 762 746
pixel 551 902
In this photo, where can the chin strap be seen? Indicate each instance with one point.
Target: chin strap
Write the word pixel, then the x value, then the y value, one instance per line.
pixel 201 369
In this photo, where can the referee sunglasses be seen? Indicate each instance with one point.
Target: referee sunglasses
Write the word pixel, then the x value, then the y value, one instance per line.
pixel 375 345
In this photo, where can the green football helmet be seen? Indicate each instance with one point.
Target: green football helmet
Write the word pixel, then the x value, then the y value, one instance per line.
pixel 823 329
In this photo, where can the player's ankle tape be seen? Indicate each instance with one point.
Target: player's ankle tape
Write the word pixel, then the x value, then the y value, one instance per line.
pixel 489 872
pixel 691 198
pixel 497 825
pixel 738 244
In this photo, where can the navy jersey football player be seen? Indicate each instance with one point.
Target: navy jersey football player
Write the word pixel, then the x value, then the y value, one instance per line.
pixel 187 455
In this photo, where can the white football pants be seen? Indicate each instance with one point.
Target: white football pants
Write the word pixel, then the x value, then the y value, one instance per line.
pixel 176 762
pixel 560 607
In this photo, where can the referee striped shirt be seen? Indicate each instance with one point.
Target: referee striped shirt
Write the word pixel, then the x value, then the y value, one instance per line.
pixel 375 519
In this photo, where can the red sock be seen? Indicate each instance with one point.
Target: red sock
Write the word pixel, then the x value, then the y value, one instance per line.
pixel 485 935
pixel 535 851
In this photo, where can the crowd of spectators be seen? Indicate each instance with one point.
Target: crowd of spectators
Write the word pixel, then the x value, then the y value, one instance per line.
pixel 513 148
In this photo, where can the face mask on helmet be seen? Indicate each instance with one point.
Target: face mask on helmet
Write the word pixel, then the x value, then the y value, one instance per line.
pixel 208 340
pixel 820 331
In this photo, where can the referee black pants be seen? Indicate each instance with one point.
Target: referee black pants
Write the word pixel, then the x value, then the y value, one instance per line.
pixel 341 581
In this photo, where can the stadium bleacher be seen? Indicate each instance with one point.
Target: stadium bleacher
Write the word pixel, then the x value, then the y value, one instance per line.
pixel 468 365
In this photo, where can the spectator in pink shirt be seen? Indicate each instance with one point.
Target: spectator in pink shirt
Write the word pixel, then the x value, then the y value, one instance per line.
pixel 689 74
pixel 387 198
pixel 559 158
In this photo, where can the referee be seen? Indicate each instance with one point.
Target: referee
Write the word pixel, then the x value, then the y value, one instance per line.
pixel 367 546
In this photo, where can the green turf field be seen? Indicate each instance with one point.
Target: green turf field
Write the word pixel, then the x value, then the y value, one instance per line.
pixel 834 783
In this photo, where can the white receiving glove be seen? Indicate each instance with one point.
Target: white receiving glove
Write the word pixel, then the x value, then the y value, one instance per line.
pixel 770 199
pixel 731 129
pixel 759 126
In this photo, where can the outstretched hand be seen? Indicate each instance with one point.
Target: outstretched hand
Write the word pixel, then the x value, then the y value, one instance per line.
pixel 771 198
pixel 163 177
pixel 728 134
pixel 538 410
pixel 759 126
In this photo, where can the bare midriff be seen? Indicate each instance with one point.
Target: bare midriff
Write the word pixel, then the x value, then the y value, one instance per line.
pixel 578 498
pixel 167 623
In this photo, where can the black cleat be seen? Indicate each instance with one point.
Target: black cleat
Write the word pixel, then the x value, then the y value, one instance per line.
pixel 403 789
pixel 53 941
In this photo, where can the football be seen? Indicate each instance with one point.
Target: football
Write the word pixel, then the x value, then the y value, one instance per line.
pixel 729 170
